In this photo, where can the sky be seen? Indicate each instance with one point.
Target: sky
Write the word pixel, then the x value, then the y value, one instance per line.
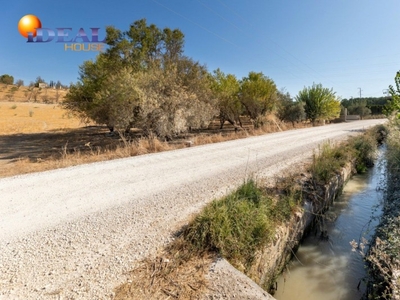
pixel 351 46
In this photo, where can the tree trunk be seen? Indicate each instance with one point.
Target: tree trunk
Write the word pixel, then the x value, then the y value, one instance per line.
pixel 221 121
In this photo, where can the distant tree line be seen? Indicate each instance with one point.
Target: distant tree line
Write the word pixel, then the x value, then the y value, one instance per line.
pixel 144 80
pixel 366 106
pixel 51 83
pixel 9 80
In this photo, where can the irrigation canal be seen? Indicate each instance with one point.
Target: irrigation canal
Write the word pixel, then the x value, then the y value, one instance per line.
pixel 325 267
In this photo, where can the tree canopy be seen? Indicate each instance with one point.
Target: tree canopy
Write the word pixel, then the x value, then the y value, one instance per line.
pixel 144 80
pixel 393 105
pixel 226 89
pixel 320 103
pixel 374 104
pixel 258 95
pixel 288 110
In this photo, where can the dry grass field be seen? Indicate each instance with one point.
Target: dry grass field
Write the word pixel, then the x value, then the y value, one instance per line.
pixel 27 117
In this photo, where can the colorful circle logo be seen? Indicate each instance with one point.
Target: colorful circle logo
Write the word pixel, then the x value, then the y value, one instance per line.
pixel 29 23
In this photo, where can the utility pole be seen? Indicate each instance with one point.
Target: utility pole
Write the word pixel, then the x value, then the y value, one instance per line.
pixel 360 92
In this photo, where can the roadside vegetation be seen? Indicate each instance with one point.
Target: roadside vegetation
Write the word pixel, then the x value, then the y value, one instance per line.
pixel 359 150
pixel 383 256
pixel 392 108
pixel 241 224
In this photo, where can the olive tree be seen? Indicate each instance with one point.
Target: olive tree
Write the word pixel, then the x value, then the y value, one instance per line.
pixel 175 100
pixel 143 80
pixel 359 108
pixel 289 110
pixel 258 95
pixel 226 90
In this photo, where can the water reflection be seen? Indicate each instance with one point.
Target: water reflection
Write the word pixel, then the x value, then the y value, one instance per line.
pixel 324 266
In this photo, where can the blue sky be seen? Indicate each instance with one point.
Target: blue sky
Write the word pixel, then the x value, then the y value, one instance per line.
pixel 343 44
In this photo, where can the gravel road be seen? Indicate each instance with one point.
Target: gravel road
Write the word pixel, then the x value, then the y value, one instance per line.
pixel 73 233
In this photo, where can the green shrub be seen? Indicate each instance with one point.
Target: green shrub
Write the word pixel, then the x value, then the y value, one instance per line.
pixel 393 153
pixel 284 208
pixel 360 149
pixel 235 226
pixel 365 148
pixel 380 132
pixel 239 224
pixel 329 161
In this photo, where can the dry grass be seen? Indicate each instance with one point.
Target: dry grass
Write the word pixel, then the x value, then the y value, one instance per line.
pixel 176 273
pixel 38 137
pixel 16 118
pixel 66 157
pixel 24 93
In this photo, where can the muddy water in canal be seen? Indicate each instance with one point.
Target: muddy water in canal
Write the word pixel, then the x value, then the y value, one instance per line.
pixel 325 267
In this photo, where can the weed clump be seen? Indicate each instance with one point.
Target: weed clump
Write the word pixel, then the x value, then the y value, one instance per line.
pixel 361 150
pixel 239 224
pixel 329 160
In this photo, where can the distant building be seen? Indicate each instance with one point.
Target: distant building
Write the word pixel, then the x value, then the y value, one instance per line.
pixel 42 85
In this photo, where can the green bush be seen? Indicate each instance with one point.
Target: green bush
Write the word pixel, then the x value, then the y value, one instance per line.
pixel 235 226
pixel 393 153
pixel 239 224
pixel 329 161
pixel 380 132
pixel 360 149
pixel 365 147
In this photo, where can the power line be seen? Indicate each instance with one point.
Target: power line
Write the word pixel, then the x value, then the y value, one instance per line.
pixel 223 18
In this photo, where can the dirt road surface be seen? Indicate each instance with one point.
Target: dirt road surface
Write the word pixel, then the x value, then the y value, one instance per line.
pixel 74 233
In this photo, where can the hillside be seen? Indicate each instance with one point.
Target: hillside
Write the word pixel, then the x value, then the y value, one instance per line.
pixel 31 94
